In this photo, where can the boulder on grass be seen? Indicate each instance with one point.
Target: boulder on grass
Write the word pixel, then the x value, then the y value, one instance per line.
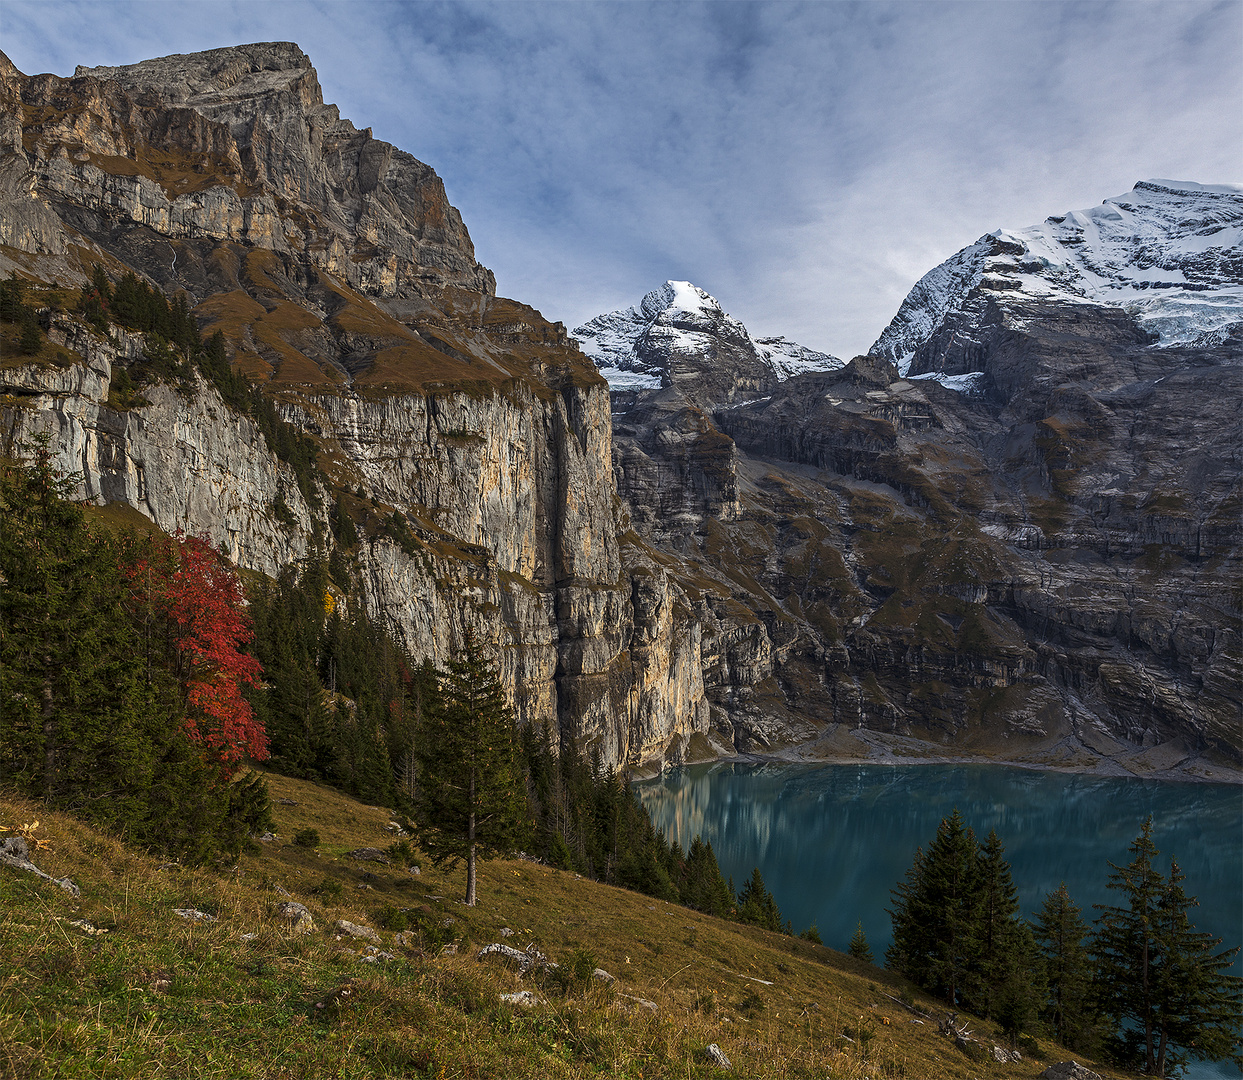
pixel 525 998
pixel 1069 1070
pixel 15 852
pixel 342 926
pixel 297 914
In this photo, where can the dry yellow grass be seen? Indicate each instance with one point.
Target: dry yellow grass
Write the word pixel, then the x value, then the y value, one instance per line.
pixel 139 991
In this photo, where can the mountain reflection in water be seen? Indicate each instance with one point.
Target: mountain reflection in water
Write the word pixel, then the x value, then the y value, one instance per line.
pixel 833 840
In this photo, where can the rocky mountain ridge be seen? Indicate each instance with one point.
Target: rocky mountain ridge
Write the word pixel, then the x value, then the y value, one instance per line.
pixel 1029 544
pixel 1169 253
pixel 679 334
pixel 828 564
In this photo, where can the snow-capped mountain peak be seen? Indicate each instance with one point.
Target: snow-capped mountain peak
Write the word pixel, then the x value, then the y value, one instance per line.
pixel 1168 252
pixel 635 347
pixel 680 297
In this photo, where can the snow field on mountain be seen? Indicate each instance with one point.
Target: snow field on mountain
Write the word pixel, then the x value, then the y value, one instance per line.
pixel 682 318
pixel 1168 252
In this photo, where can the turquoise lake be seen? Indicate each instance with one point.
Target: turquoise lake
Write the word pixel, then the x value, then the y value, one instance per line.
pixel 833 840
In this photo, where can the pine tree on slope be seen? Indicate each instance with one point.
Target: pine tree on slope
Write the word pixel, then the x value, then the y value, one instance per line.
pixel 472 801
pixel 1158 979
pixel 757 906
pixel 1062 935
pixel 935 913
pixel 1004 980
pixel 859 947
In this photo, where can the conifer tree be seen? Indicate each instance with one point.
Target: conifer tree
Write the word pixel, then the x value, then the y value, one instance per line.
pixel 31 340
pixel 1062 936
pixel 1160 981
pixel 1200 1007
pixel 1002 970
pixel 402 731
pixel 701 884
pixel 756 904
pixel 12 299
pixel 935 913
pixel 470 802
pixel 912 934
pixel 1126 950
pixel 859 947
pixel 76 717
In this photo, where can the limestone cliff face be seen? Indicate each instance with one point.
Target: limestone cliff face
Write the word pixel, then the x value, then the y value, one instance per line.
pixel 1053 569
pixel 182 459
pixel 1015 529
pixel 237 144
pixel 346 285
pixel 1028 548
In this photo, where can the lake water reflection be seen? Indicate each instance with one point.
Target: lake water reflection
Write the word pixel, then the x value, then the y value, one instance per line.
pixel 833 840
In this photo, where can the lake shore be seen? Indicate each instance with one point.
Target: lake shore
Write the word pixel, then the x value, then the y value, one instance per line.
pixel 1096 755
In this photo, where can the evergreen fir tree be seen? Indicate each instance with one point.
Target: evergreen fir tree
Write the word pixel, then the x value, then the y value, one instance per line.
pixel 470 789
pixel 75 714
pixel 912 932
pixel 402 731
pixel 1015 998
pixel 31 340
pixel 12 299
pixel 859 947
pixel 935 913
pixel 757 906
pixel 1062 936
pixel 701 885
pixel 1200 1008
pixel 1001 968
pixel 1159 981
pixel 1126 952
pixel 343 525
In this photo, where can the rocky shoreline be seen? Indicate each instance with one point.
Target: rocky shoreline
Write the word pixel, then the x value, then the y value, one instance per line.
pixel 839 745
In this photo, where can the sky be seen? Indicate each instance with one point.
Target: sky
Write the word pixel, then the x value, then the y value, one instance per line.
pixel 804 163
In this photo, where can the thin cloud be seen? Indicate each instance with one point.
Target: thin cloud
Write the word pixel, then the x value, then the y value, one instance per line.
pixel 805 163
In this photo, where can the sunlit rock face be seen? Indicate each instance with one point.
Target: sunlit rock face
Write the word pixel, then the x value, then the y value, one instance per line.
pixel 1011 530
pixel 346 286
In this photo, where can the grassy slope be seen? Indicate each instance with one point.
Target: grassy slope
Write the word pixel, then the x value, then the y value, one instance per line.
pixel 159 996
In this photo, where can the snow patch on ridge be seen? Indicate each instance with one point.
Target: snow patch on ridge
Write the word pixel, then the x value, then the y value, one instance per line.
pixel 970 383
pixel 1168 252
pixel 684 319
pixel 789 358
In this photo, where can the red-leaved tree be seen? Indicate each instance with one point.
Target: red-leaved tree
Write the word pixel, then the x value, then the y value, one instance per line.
pixel 190 603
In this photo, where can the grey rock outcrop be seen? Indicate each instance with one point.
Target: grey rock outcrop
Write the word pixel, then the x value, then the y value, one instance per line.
pixel 343 927
pixel 298 915
pixel 527 999
pixel 1069 1070
pixel 15 852
pixel 224 144
pixel 194 915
